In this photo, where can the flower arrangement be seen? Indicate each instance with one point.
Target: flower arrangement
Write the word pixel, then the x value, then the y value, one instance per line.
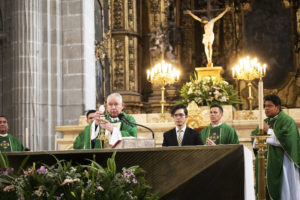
pixel 208 91
pixel 65 181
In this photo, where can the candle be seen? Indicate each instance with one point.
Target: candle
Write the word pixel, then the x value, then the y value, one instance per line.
pixel 26 138
pixel 148 74
pixel 261 103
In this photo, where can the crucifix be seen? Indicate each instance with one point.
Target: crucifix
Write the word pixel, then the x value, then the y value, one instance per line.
pixel 208 36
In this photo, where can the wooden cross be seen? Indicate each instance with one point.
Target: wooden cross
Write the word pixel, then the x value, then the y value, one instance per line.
pixel 208 10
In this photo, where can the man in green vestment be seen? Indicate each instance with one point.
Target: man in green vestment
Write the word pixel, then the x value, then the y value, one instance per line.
pixel 8 143
pixel 218 132
pixel 283 157
pixel 115 129
pixel 90 115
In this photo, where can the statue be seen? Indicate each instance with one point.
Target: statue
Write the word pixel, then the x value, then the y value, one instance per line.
pixel 156 39
pixel 208 36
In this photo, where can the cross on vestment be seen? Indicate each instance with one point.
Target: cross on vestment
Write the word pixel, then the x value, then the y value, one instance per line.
pixel 5 145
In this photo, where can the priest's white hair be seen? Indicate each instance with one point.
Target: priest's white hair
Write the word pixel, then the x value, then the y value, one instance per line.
pixel 115 94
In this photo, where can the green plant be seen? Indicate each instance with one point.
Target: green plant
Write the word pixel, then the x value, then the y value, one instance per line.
pixel 208 91
pixel 66 181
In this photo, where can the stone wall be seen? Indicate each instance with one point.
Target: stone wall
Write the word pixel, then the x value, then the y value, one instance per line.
pixel 47 72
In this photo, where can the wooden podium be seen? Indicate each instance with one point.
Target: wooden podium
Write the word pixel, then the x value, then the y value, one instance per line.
pixel 188 172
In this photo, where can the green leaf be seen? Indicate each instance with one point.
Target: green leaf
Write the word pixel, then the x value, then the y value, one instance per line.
pixel 3 161
pixel 21 167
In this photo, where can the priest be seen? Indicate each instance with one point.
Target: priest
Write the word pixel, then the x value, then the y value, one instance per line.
pixel 8 142
pixel 283 158
pixel 90 115
pixel 108 130
pixel 218 132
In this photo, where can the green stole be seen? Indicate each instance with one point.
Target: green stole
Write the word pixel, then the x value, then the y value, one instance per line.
pixel 215 134
pixel 88 130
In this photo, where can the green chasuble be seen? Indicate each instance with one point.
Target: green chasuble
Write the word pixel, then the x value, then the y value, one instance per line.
pixel 222 134
pixel 10 143
pixel 286 132
pixel 83 140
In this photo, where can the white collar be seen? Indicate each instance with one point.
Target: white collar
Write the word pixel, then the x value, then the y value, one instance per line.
pixel 215 125
pixel 274 117
pixel 3 135
pixel 114 119
pixel 183 129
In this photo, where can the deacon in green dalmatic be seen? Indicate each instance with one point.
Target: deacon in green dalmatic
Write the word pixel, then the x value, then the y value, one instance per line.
pixel 109 130
pixel 8 142
pixel 218 132
pixel 283 157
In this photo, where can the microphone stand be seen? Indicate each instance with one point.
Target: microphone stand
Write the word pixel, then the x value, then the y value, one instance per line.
pixel 134 124
pixel 145 128
pixel 122 117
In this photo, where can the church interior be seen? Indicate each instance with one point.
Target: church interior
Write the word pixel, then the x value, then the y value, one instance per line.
pixel 61 58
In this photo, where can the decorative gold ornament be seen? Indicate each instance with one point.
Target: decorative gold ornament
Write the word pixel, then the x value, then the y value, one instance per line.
pixel 261 143
pixel 195 119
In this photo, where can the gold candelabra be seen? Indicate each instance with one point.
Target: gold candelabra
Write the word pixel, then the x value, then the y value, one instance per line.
pixel 163 74
pixel 261 143
pixel 249 70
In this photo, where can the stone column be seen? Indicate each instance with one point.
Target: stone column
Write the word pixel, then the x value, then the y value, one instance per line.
pixel 53 67
pixel 27 51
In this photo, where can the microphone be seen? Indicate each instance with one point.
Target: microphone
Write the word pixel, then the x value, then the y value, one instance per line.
pixel 122 118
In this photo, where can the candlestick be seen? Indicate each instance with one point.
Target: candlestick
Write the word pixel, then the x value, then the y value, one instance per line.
pixel 167 75
pixel 26 138
pixel 261 103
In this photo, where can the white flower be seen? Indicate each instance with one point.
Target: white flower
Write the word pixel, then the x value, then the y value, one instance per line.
pixel 39 192
pixel 223 99
pixel 100 188
pixel 69 180
pixel 216 93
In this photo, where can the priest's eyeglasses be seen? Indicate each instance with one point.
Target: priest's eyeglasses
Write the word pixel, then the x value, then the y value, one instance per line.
pixel 113 104
pixel 180 115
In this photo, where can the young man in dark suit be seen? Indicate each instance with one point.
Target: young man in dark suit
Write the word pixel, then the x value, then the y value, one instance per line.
pixel 181 135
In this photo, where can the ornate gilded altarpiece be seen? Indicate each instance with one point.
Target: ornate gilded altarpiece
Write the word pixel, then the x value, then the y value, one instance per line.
pixel 138 33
